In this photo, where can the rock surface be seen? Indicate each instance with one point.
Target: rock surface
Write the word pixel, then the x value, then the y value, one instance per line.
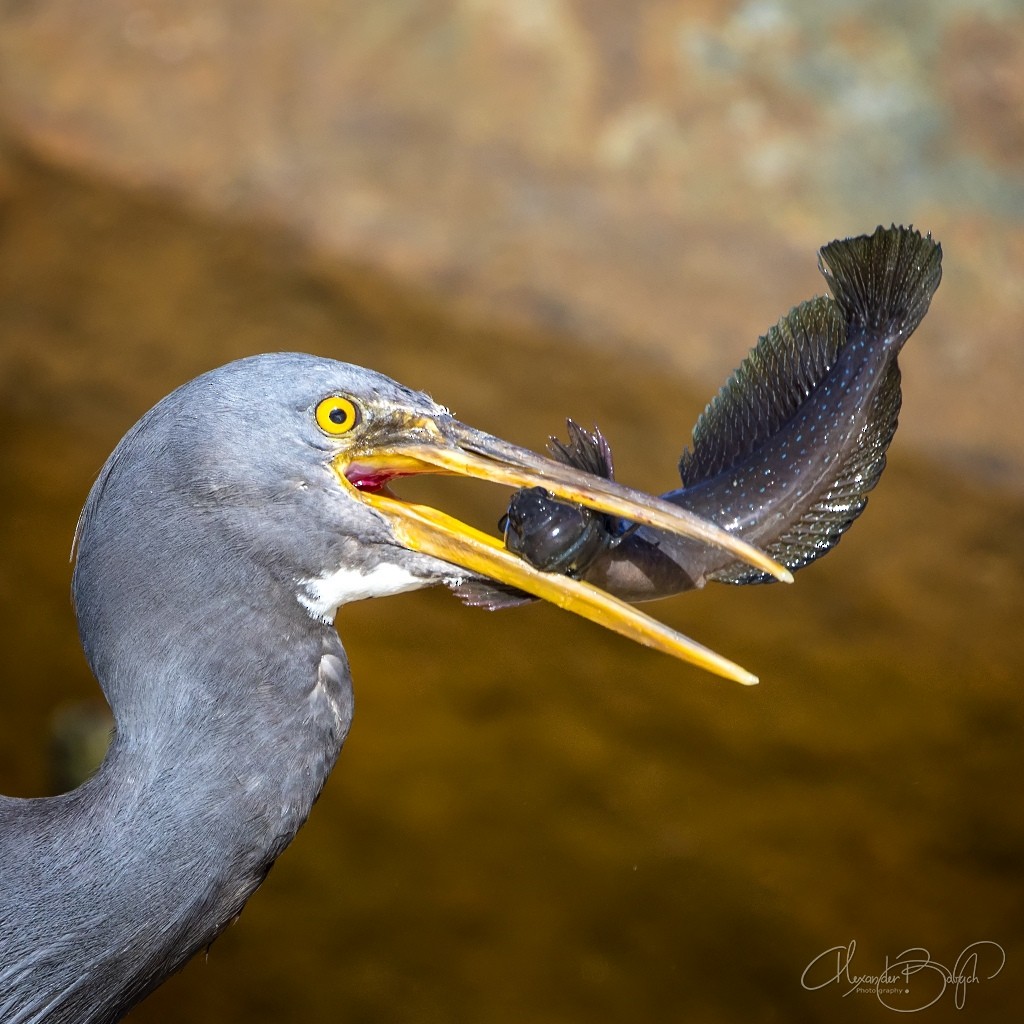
pixel 655 175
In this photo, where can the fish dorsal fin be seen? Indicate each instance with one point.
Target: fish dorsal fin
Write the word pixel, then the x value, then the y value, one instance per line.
pixel 766 389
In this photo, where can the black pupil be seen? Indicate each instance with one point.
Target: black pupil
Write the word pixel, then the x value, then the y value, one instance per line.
pixel 338 415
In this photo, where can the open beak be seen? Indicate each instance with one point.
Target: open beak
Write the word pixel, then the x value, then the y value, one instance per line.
pixel 426 445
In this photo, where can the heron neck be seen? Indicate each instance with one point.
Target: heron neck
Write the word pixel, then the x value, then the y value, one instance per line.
pixel 149 860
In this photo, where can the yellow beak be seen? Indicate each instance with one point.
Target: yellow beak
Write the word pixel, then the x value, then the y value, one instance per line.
pixel 447 446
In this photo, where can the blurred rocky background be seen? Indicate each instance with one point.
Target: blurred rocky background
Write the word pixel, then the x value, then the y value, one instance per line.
pixel 652 176
pixel 534 208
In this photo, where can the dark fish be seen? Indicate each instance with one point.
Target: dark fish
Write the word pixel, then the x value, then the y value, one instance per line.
pixel 784 455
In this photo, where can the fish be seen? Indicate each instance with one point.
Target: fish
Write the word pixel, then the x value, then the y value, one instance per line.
pixel 784 456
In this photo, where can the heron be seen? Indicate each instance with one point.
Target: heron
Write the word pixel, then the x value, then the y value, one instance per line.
pixel 214 549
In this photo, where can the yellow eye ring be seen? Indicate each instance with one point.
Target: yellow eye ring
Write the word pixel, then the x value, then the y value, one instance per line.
pixel 336 415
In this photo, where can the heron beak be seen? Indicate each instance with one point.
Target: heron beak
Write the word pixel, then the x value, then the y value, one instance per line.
pixel 446 446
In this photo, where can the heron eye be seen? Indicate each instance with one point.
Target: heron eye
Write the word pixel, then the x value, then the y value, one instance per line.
pixel 336 415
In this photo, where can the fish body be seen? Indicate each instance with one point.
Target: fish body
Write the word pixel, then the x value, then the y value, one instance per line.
pixel 786 453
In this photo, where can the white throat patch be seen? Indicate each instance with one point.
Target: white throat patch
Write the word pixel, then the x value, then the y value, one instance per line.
pixel 322 596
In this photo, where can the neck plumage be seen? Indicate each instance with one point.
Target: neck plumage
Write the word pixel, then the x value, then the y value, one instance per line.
pixel 107 890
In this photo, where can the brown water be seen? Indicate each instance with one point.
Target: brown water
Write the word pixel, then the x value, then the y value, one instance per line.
pixel 533 820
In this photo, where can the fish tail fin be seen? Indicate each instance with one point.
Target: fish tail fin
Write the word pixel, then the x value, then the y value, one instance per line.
pixel 883 282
